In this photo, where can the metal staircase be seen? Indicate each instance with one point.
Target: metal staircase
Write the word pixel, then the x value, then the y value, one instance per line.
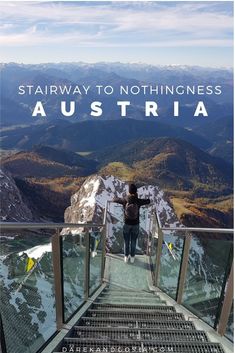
pixel 72 301
pixel 111 324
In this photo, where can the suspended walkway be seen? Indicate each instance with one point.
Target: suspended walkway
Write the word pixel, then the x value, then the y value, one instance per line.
pixel 177 296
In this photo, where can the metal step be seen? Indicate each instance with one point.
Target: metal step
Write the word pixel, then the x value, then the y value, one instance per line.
pixel 129 297
pixel 128 293
pixel 126 296
pixel 134 298
pixel 136 315
pixel 134 308
pixel 133 323
pixel 133 302
pixel 80 345
pixel 152 334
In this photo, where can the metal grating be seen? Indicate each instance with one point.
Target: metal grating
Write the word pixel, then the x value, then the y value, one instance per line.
pixel 136 315
pixel 128 300
pixel 126 289
pixel 129 294
pixel 134 308
pixel 135 301
pixel 125 302
pixel 107 334
pixel 133 298
pixel 133 323
pixel 76 345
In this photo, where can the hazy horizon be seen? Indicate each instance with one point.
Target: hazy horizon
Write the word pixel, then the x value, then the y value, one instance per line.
pixel 116 62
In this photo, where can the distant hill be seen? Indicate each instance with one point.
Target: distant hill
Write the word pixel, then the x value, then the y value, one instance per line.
pixel 172 163
pixel 48 162
pixel 65 157
pixel 216 213
pixel 94 135
pixel 220 134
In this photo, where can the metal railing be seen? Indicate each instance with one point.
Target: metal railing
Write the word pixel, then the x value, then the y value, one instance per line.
pixel 28 225
pixel 187 234
pixel 56 240
pixel 157 233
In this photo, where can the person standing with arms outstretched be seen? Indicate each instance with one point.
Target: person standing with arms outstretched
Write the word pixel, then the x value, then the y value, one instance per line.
pixel 131 205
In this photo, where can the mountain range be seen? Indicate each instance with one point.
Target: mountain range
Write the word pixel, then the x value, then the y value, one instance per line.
pixel 93 135
pixel 54 130
pixel 189 157
pixel 47 177
pixel 115 74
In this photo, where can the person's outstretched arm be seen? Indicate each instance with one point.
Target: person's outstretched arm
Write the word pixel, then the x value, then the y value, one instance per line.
pixel 119 200
pixel 143 202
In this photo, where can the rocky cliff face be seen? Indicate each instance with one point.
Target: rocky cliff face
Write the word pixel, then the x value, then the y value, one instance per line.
pixel 88 204
pixel 12 206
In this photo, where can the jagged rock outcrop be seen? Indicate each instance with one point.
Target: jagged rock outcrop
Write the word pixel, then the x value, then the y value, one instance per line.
pixel 88 204
pixel 12 206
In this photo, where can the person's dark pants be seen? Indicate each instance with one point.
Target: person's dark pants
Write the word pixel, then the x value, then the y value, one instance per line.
pixel 130 234
pixel 92 243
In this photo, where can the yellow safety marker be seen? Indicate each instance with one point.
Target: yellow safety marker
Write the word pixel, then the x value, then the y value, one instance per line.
pixel 30 264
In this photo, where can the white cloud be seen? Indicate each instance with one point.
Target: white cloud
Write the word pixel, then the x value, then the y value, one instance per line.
pixel 144 24
pixel 6 26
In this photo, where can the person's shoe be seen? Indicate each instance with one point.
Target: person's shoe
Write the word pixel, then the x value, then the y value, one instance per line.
pixel 126 258
pixel 132 259
pixel 93 253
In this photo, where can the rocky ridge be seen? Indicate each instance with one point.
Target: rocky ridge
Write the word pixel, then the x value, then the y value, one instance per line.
pixel 88 204
pixel 13 207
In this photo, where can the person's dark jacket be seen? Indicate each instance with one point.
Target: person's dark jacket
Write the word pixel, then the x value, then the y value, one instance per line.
pixel 132 199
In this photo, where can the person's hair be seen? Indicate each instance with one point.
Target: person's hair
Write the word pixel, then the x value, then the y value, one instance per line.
pixel 132 189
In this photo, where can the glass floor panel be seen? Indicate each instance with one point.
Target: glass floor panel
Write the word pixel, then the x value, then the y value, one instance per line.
pixel 127 275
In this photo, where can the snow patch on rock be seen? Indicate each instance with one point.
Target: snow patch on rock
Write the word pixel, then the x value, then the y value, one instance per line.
pixel 88 205
pixel 37 251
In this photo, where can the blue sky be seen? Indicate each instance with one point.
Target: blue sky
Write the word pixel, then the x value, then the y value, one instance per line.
pixel 159 33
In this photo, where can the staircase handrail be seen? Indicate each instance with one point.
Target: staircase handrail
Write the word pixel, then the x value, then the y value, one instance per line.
pixel 226 299
pixel 45 225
